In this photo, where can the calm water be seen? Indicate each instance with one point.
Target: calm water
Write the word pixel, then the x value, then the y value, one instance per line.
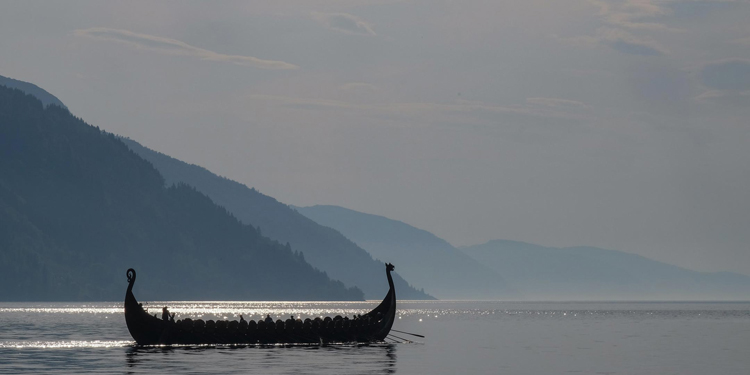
pixel 462 338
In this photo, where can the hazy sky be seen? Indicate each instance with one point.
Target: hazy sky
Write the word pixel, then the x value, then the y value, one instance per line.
pixel 619 124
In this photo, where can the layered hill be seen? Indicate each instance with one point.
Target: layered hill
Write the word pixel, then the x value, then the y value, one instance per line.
pixel 590 273
pixel 445 272
pixel 323 247
pixel 29 88
pixel 78 207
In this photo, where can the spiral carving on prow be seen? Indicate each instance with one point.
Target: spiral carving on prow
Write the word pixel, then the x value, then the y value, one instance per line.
pixel 389 267
pixel 131 276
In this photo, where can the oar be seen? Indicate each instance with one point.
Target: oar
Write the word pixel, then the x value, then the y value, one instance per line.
pixel 413 334
pixel 400 338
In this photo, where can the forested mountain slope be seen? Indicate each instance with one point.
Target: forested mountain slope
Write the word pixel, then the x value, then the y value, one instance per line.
pixel 32 89
pixel 325 248
pixel 78 207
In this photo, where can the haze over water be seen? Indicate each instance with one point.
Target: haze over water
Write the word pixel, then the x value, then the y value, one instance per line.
pixel 461 337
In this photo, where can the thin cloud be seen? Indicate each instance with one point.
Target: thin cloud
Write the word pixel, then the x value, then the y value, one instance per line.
pixel 310 102
pixel 557 103
pixel 618 40
pixel 345 23
pixel 625 42
pixel 541 107
pixel 174 47
pixel 620 19
pixel 633 14
pixel 642 14
pixel 358 86
pixel 711 95
pixel 732 75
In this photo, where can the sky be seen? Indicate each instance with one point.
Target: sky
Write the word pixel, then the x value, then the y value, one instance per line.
pixel 618 124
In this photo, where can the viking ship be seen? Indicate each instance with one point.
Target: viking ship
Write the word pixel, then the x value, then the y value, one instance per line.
pixel 147 329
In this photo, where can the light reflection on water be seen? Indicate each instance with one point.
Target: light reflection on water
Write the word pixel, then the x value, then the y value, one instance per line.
pixel 407 309
pixel 64 344
pixel 462 337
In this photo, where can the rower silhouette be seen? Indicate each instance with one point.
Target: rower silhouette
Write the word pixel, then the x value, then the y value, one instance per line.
pixel 165 314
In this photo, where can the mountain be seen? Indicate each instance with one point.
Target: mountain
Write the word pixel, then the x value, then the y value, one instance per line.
pixel 426 259
pixel 32 89
pixel 323 247
pixel 78 207
pixel 590 273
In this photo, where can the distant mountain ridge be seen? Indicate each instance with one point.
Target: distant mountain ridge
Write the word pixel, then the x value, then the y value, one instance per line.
pixel 533 272
pixel 78 207
pixel 32 89
pixel 40 254
pixel 323 247
pixel 444 271
pixel 590 273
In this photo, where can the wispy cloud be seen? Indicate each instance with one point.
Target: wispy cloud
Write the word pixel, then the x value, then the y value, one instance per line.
pixel 618 40
pixel 731 75
pixel 633 14
pixel 310 102
pixel 726 82
pixel 175 47
pixel 542 107
pixel 345 23
pixel 625 42
pixel 358 86
pixel 557 103
pixel 646 14
pixel 620 22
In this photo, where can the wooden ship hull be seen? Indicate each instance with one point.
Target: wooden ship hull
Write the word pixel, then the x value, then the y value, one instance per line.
pixel 147 329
